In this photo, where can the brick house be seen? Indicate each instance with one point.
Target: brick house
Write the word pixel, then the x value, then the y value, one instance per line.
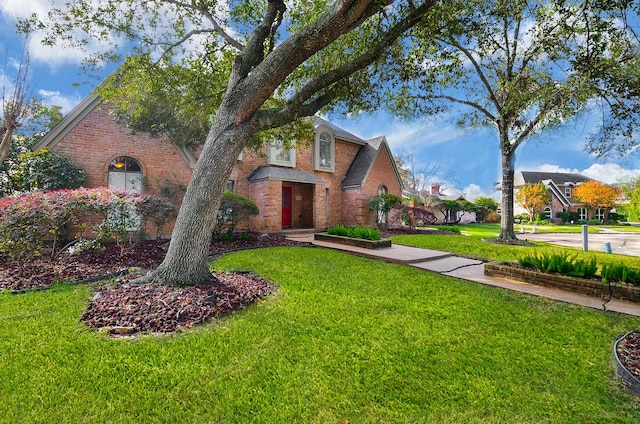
pixel 328 183
pixel 560 187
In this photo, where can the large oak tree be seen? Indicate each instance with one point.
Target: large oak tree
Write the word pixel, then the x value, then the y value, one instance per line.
pixel 284 61
pixel 523 67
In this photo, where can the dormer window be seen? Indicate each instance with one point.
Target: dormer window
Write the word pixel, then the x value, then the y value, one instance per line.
pixel 324 151
pixel 567 191
pixel 280 155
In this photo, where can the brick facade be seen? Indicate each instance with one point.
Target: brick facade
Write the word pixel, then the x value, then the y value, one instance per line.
pixel 92 138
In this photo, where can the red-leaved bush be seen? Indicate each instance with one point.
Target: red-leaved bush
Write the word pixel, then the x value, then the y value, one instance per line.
pixel 34 222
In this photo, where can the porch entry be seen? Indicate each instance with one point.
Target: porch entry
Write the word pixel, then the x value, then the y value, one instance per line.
pixel 297 205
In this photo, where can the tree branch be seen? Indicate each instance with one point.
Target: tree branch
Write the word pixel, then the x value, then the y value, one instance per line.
pixel 303 103
pixel 463 102
pixel 365 59
pixel 554 101
pixel 200 6
pixel 478 70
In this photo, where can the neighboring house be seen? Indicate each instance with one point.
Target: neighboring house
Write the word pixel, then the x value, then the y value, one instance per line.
pixel 327 182
pixel 431 200
pixel 561 186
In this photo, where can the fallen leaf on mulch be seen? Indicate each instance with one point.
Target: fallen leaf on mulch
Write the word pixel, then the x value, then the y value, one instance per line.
pixel 132 308
pixel 629 353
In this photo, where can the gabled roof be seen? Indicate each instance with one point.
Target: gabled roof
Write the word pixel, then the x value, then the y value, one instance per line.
pixel 364 160
pixel 553 188
pixel 68 122
pixel 77 114
pixel 559 178
pixel 338 132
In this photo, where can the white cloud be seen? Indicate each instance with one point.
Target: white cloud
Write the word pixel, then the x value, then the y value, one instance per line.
pixel 56 98
pixel 473 191
pixel 53 56
pixel 609 173
pixel 548 167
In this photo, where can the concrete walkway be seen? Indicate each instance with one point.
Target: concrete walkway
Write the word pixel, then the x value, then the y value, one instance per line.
pixel 472 270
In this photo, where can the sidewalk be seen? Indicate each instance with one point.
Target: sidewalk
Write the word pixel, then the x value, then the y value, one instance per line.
pixel 472 270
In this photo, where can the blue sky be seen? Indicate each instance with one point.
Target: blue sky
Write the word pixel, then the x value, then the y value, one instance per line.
pixel 468 160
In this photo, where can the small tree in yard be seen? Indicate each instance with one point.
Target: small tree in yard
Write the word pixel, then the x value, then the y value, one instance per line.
pixel 596 195
pixel 14 106
pixel 485 207
pixel 380 206
pixel 631 190
pixel 233 208
pixel 533 198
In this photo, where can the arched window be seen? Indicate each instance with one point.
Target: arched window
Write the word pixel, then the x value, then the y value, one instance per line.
pixel 324 151
pixel 547 213
pixel 382 213
pixel 125 173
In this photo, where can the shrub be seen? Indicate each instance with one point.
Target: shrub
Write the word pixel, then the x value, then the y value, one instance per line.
pixel 29 221
pixel 491 217
pixel 232 208
pixel 564 216
pixel 414 216
pixel 450 228
pixel 360 232
pixel 45 170
pixel 562 263
pixel 620 272
pixel 381 204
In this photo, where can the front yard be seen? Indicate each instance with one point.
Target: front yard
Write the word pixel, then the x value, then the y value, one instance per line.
pixel 344 339
pixel 470 244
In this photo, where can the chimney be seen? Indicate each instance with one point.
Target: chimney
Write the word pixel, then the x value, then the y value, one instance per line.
pixel 435 190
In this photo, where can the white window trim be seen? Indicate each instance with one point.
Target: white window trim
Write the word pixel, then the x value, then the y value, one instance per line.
pixel 316 150
pixel 273 151
pixel 568 191
pixel 583 214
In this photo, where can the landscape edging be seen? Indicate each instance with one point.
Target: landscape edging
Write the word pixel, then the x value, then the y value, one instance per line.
pixel 633 384
pixel 564 282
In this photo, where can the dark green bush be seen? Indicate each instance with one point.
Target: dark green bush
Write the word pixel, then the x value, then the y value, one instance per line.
pixel 360 232
pixel 620 272
pixel 562 263
pixel 45 170
pixel 233 208
pixel 451 228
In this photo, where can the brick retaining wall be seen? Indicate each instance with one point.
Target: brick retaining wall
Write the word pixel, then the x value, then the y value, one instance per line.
pixel 580 285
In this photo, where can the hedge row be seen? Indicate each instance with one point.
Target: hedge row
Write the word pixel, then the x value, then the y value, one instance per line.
pixel 33 223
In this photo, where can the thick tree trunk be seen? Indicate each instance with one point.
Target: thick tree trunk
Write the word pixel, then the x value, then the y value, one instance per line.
pixel 5 142
pixel 253 79
pixel 186 261
pixel 506 219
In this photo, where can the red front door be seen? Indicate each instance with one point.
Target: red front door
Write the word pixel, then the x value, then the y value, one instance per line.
pixel 286 207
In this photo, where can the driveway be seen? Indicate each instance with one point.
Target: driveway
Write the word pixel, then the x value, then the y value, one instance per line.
pixel 621 243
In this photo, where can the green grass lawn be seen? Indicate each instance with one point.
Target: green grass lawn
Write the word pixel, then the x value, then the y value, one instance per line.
pixel 470 244
pixel 345 339
pixel 493 230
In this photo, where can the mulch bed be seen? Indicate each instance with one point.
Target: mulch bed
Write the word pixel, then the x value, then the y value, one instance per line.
pixel 133 308
pixel 126 308
pixel 629 353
